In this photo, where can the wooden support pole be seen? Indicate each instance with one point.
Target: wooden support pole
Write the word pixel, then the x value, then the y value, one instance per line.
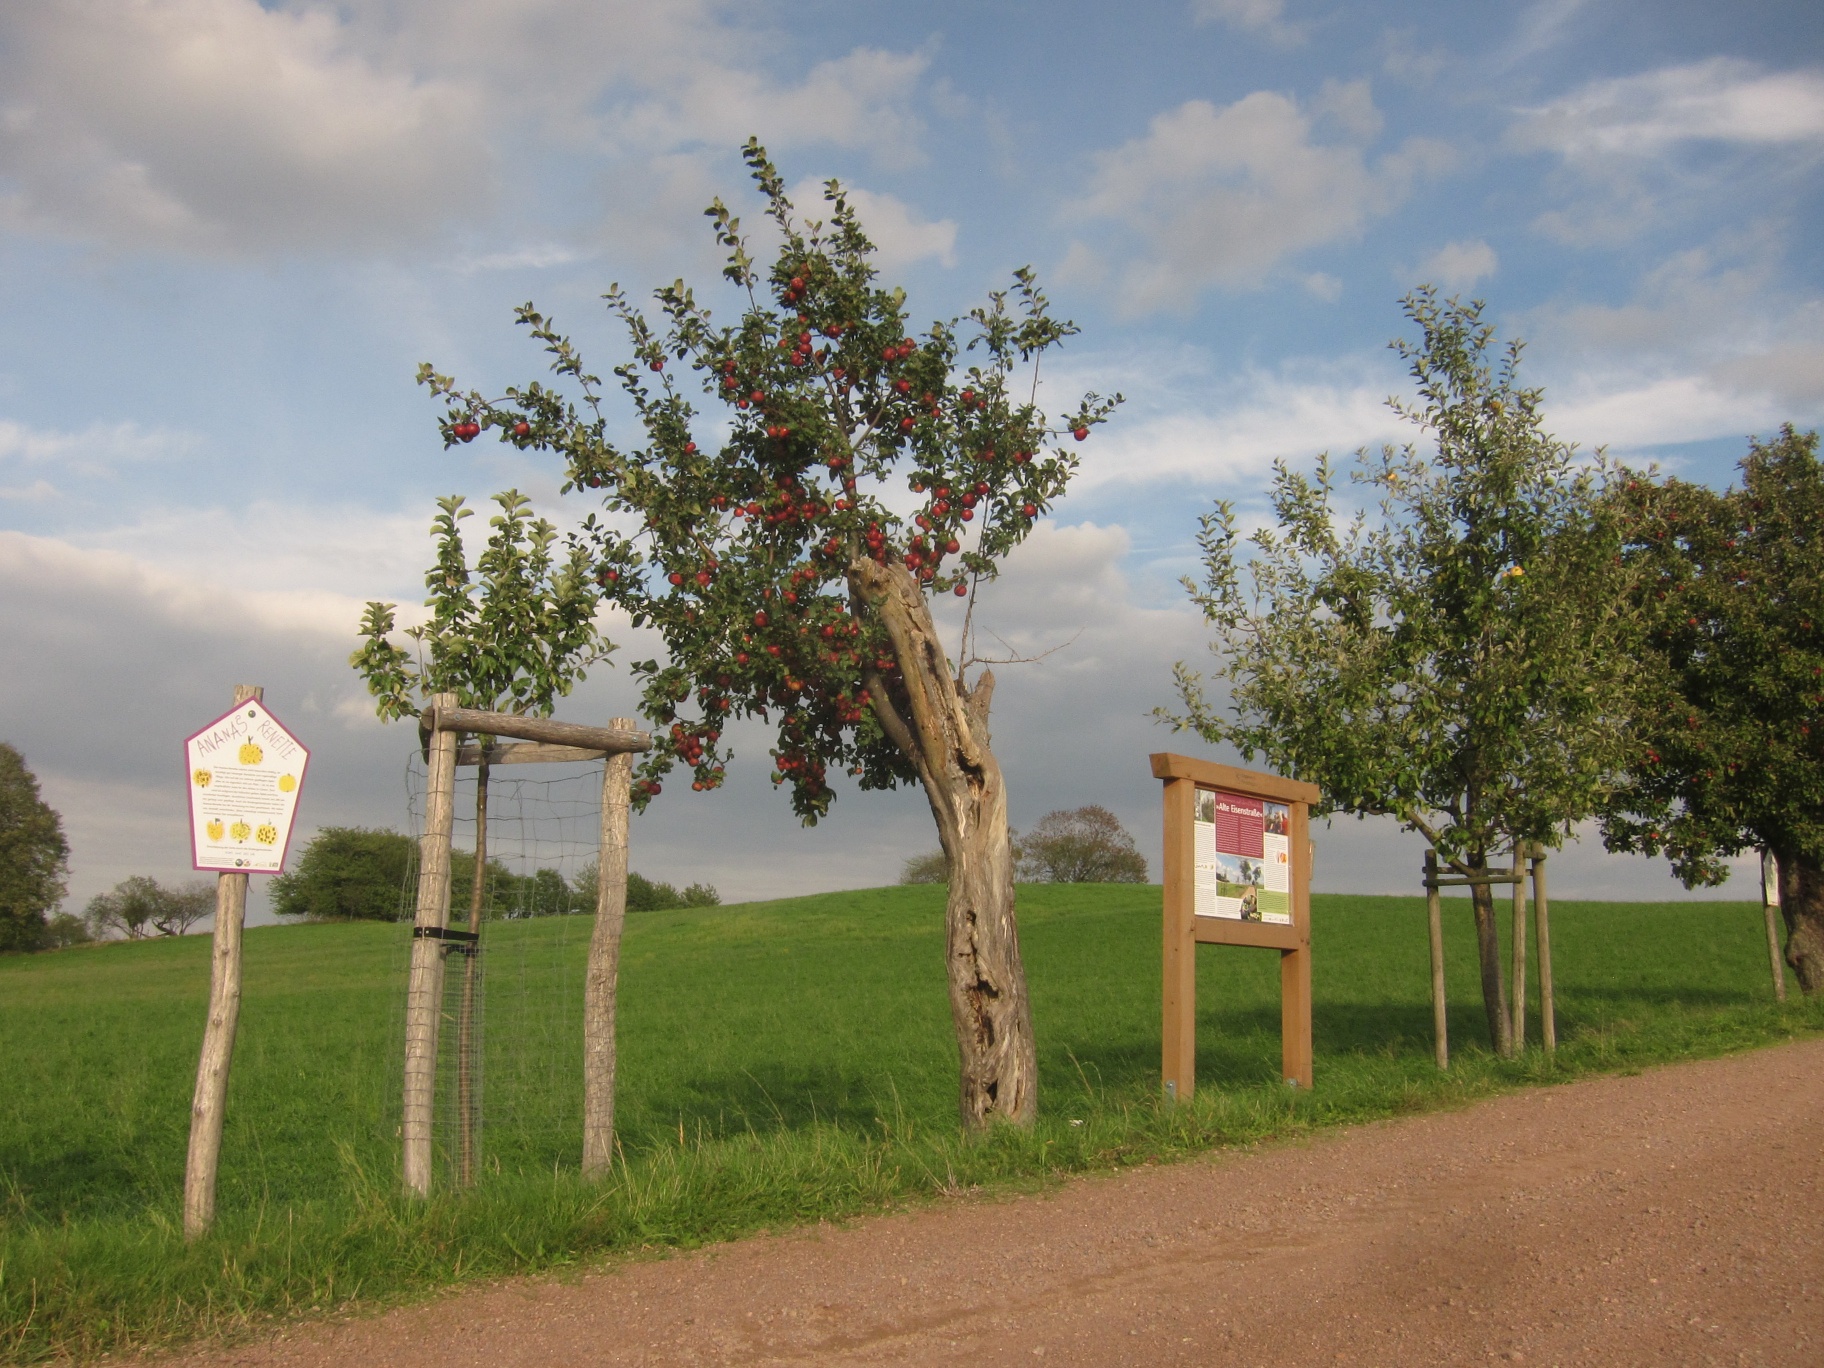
pixel 1770 903
pixel 1434 916
pixel 1517 1012
pixel 614 739
pixel 209 1103
pixel 424 989
pixel 1542 937
pixel 1178 997
pixel 602 978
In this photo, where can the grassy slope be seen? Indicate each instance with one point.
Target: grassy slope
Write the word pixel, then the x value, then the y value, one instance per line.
pixel 780 1061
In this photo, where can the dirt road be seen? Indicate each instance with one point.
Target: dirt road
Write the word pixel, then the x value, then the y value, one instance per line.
pixel 1668 1218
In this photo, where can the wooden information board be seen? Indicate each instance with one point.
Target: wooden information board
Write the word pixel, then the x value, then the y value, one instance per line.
pixel 1237 872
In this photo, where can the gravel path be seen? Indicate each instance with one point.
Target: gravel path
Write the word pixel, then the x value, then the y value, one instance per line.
pixel 1671 1217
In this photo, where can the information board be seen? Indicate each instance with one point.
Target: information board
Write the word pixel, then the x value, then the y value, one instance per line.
pixel 245 773
pixel 1244 871
pixel 1237 873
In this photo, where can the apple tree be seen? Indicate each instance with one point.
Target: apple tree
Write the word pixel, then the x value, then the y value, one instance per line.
pixel 1457 654
pixel 802 481
pixel 1729 736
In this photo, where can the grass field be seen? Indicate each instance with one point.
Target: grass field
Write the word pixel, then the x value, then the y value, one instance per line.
pixel 780 1062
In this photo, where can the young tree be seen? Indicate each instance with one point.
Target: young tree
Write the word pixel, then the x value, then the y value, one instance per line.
pixel 1081 845
pixel 34 857
pixel 1462 658
pixel 775 567
pixel 514 636
pixel 1729 736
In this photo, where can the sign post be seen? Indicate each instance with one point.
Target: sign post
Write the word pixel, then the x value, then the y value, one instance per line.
pixel 244 773
pixel 1237 872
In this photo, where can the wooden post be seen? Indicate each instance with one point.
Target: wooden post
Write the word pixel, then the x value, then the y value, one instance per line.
pixel 1295 1047
pixel 1542 940
pixel 424 990
pixel 601 981
pixel 1434 916
pixel 1770 902
pixel 1518 1011
pixel 1179 994
pixel 468 1105
pixel 209 1103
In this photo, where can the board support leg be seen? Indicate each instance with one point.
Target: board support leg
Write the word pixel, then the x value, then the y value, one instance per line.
pixel 1434 916
pixel 1178 999
pixel 1295 1015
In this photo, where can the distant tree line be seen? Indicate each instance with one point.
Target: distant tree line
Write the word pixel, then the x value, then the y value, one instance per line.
pixel 367 874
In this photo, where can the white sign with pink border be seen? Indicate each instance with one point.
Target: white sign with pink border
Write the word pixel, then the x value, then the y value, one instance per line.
pixel 245 772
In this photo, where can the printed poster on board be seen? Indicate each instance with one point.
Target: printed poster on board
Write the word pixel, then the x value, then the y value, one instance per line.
pixel 1243 857
pixel 244 772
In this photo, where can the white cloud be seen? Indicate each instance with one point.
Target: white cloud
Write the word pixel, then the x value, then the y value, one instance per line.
pixel 1723 99
pixel 97 449
pixel 1218 197
pixel 1459 265
pixel 1263 17
pixel 218 124
pixel 199 595
pixel 213 126
pixel 1185 420
pixel 1712 343
pixel 1640 151
pixel 902 237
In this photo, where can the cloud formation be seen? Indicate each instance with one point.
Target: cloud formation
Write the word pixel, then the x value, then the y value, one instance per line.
pixel 211 125
pixel 1266 18
pixel 1723 99
pixel 228 127
pixel 1220 196
pixel 1459 265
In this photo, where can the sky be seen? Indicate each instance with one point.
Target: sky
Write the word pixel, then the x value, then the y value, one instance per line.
pixel 230 232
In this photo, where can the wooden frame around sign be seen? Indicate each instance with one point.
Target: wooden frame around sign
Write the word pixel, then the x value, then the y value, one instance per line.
pixel 1184 930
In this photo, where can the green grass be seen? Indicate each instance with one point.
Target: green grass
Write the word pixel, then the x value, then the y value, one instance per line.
pixel 780 1062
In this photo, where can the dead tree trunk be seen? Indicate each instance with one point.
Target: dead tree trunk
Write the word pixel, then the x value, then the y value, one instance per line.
pixel 1488 954
pixel 942 729
pixel 1802 905
pixel 467 1104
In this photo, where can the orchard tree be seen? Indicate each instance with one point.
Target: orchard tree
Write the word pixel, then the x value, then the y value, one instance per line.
pixel 1729 749
pixel 34 857
pixel 514 636
pixel 806 478
pixel 1457 656
pixel 1081 845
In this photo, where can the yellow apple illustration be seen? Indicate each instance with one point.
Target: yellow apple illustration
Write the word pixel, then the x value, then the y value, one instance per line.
pixel 214 828
pixel 287 782
pixel 251 754
pixel 240 831
pixel 267 833
pixel 201 778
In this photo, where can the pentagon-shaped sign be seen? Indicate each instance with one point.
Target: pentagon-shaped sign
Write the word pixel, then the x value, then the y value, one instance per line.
pixel 244 772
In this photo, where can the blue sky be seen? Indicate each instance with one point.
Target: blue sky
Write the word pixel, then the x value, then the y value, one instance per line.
pixel 229 233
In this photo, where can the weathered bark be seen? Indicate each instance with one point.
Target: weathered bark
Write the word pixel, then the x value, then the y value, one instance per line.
pixel 1488 953
pixel 943 732
pixel 466 1101
pixel 1802 905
